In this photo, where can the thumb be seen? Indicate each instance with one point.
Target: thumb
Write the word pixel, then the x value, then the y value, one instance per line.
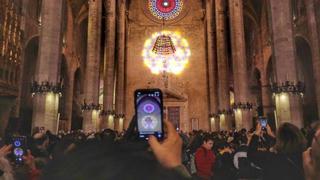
pixel 153 142
pixel 307 160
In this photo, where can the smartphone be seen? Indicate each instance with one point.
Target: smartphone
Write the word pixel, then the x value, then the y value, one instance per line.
pixel 149 112
pixel 263 122
pixel 19 148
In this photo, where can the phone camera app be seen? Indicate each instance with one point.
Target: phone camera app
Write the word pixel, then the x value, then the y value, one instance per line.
pixel 17 143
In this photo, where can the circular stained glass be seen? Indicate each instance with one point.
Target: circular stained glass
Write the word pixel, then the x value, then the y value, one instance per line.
pixel 165 9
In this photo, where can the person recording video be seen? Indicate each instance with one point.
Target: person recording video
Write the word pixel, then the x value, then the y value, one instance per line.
pixel 285 160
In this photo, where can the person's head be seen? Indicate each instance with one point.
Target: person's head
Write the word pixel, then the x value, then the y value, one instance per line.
pixel 221 145
pixel 243 140
pixel 108 135
pixel 290 140
pixel 243 131
pixel 316 149
pixel 311 132
pixel 207 142
pixel 311 158
pixel 41 140
pixel 108 160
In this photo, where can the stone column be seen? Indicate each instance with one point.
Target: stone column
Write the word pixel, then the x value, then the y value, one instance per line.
pixel 288 106
pixel 266 95
pixel 91 88
pixel 109 50
pixel 69 82
pixel 212 64
pixel 241 89
pixel 315 46
pixel 222 63
pixel 45 110
pixel 120 49
pixel 23 42
pixel 69 97
pixel 6 104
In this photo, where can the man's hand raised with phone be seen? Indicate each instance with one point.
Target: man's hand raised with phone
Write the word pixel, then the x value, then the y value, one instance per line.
pixel 167 152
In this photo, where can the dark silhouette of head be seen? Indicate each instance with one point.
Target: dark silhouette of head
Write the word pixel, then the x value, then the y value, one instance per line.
pixel 290 140
pixel 108 160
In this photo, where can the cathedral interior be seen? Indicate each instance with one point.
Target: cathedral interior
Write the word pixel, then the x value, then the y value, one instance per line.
pixel 75 64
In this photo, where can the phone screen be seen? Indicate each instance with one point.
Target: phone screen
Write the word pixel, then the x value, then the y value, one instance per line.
pixel 149 111
pixel 19 148
pixel 263 122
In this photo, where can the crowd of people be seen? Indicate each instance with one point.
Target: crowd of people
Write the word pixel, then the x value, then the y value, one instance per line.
pixel 290 153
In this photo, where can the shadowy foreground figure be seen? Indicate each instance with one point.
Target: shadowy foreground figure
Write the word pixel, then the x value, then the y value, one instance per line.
pixel 311 159
pixel 122 160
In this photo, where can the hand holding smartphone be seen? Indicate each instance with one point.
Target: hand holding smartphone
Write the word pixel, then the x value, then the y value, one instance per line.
pixel 149 112
pixel 263 122
pixel 19 148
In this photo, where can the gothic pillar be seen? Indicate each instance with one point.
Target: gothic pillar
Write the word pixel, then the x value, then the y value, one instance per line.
pixel 212 63
pixel 91 88
pixel 69 97
pixel 45 110
pixel 109 59
pixel 6 104
pixel 315 46
pixel 266 95
pixel 22 56
pixel 288 106
pixel 120 49
pixel 222 64
pixel 241 88
pixel 71 58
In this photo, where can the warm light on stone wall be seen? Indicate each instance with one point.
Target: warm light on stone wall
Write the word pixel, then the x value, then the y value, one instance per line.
pixel 238 118
pixel 95 119
pixel 283 107
pixel 223 123
pixel 51 112
pixel 110 120
pixel 121 121
pixel 212 124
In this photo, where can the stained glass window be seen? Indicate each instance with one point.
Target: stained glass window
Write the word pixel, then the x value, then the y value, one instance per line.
pixel 165 9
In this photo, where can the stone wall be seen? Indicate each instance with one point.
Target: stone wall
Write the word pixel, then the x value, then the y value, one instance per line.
pixel 192 82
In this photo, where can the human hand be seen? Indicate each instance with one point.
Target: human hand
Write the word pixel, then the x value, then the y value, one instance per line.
pixel 249 137
pixel 270 132
pixel 258 129
pixel 29 160
pixel 5 150
pixel 309 165
pixel 168 152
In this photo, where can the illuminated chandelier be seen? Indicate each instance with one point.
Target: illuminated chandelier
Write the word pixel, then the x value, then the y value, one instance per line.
pixel 163 45
pixel 160 58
